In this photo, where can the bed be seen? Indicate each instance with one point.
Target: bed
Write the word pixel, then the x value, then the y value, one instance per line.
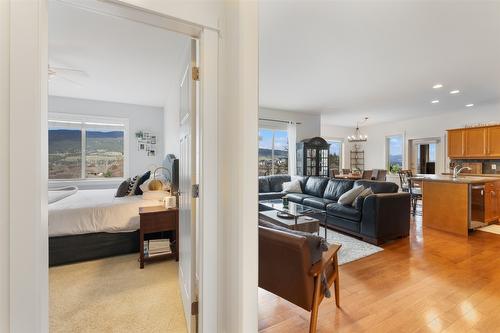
pixel 92 224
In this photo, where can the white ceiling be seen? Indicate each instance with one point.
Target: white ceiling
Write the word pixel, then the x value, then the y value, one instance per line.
pixel 351 59
pixel 125 61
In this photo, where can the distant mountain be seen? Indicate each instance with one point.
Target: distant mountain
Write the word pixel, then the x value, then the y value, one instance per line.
pixel 70 141
pixel 267 153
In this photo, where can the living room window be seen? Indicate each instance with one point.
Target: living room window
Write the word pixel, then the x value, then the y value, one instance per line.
pixel 394 149
pixel 273 151
pixel 335 155
pixel 83 147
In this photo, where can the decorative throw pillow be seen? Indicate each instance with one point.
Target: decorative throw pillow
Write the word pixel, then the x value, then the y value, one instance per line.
pixel 144 177
pixel 292 187
pixel 366 192
pixel 122 189
pixel 348 197
pixel 133 185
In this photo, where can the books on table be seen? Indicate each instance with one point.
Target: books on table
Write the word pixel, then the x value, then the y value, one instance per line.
pixel 155 247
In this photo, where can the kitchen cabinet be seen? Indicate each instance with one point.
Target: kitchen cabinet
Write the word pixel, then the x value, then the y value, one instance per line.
pixel 474 142
pixel 456 140
pixel 490 202
pixel 493 141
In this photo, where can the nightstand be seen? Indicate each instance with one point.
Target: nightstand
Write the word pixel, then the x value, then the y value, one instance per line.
pixel 158 219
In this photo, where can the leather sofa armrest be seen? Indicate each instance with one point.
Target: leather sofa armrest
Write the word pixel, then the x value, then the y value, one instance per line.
pixel 386 214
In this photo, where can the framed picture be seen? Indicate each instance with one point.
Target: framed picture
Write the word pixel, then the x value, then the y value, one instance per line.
pixel 141 146
pixel 146 135
pixel 153 139
pixel 151 152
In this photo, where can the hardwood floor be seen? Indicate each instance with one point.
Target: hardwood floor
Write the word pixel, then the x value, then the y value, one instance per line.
pixel 429 282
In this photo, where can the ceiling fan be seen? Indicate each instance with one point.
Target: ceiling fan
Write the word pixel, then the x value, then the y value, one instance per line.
pixel 68 74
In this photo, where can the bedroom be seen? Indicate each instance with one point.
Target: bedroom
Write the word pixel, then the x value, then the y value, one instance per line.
pixel 115 94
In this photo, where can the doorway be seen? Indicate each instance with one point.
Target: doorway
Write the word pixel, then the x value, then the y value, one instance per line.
pixel 34 310
pixel 424 156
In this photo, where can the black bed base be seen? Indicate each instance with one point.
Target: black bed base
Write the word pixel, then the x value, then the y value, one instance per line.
pixel 76 248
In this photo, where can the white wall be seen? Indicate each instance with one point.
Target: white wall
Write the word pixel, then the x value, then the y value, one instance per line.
pixel 425 127
pixel 140 118
pixel 339 133
pixel 4 165
pixel 310 123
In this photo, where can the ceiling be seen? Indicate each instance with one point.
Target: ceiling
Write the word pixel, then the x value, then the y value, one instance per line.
pixel 124 61
pixel 380 59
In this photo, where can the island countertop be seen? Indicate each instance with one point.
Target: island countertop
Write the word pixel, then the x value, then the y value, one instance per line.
pixel 459 180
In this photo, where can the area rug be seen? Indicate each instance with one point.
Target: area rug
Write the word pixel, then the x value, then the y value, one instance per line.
pixel 493 228
pixel 114 295
pixel 352 249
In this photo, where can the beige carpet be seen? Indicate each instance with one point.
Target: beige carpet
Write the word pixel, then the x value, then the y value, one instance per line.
pixel 114 295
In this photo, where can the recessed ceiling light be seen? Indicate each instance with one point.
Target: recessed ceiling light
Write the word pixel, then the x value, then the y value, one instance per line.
pixel 453 92
pixel 435 101
pixel 437 86
pixel 469 105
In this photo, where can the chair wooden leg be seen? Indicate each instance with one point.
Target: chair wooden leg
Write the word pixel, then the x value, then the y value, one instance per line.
pixel 315 305
pixel 337 282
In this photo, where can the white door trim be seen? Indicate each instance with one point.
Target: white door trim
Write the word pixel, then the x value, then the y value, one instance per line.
pixel 28 155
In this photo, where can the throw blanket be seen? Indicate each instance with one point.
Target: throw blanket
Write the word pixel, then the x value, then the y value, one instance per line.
pixel 56 194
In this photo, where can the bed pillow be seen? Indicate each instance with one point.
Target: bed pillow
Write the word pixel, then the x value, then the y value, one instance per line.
pixel 123 189
pixel 132 186
pixel 144 177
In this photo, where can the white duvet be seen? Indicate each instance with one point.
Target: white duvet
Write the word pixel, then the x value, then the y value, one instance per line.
pixel 91 211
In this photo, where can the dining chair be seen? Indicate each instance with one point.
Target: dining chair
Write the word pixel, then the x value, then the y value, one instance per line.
pixel 367 174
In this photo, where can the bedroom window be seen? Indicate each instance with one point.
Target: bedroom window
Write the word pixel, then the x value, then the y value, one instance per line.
pixel 83 148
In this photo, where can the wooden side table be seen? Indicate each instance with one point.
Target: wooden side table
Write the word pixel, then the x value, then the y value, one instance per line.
pixel 158 219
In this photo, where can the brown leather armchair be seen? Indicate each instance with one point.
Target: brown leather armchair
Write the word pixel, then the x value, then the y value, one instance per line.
pixel 286 269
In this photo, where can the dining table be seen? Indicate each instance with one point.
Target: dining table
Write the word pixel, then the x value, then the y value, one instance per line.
pixel 352 176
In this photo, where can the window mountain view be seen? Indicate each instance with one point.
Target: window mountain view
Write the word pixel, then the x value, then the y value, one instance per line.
pixel 103 153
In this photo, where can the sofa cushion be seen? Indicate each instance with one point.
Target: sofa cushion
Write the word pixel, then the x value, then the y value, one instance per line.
pixel 271 195
pixel 378 186
pixel 358 202
pixel 346 212
pixel 319 203
pixel 276 182
pixel 292 186
pixel 336 187
pixel 348 197
pixel 302 180
pixel 317 244
pixel 298 197
pixel 315 186
pixel 264 184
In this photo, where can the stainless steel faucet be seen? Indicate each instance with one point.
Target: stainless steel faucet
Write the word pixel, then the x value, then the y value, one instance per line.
pixel 457 170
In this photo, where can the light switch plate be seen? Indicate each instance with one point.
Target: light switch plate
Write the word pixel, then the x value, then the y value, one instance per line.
pixel 493 167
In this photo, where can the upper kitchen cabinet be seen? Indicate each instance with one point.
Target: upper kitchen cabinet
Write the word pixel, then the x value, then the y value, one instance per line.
pixel 456 143
pixel 475 142
pixel 493 141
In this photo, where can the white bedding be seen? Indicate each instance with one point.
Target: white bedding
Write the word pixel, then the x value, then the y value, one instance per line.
pixel 91 211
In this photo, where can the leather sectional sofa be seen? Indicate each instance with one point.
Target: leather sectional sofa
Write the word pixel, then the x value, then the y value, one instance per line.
pixel 378 218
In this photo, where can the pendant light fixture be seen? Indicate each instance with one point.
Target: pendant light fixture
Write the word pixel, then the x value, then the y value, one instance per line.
pixel 358 137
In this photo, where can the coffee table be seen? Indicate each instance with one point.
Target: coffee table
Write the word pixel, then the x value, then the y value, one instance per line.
pixel 303 217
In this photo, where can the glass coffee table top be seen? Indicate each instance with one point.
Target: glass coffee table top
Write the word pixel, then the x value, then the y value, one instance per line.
pixel 293 209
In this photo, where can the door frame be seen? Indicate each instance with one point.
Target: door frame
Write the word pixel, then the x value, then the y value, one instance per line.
pixel 28 123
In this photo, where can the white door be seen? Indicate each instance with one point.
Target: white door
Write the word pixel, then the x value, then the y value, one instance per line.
pixel 188 176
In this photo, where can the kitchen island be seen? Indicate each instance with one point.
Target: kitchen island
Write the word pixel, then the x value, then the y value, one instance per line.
pixel 459 204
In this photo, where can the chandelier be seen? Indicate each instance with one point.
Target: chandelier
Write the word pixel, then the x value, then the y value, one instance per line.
pixel 358 137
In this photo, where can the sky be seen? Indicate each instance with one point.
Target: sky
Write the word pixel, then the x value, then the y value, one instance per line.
pixel 266 139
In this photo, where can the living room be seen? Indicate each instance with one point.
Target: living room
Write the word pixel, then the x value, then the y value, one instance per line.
pixel 382 118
